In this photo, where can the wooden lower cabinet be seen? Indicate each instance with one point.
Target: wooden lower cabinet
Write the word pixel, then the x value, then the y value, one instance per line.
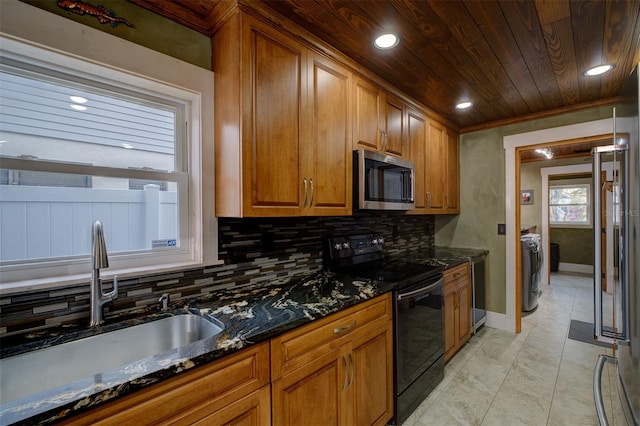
pixel 232 391
pixel 457 309
pixel 345 379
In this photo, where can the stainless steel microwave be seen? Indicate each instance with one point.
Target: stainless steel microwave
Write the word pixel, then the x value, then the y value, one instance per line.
pixel 382 182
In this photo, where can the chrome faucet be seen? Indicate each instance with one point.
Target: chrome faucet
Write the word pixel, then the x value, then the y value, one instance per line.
pixel 99 260
pixel 164 301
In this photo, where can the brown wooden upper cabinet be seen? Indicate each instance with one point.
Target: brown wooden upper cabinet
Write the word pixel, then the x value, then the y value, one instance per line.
pixel 379 120
pixel 434 151
pixel 282 126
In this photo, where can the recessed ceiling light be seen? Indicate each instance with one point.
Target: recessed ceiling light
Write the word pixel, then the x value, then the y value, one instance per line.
pixel 78 99
pixel 546 152
pixel 386 41
pixel 600 69
pixel 78 107
pixel 464 105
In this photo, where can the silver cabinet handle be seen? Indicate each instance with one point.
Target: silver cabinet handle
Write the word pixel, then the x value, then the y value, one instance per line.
pixel 313 192
pixel 428 198
pixel 304 204
pixel 352 373
pixel 339 330
pixel 344 368
pixel 597 386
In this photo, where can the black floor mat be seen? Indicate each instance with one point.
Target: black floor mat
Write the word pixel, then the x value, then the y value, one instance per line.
pixel 583 332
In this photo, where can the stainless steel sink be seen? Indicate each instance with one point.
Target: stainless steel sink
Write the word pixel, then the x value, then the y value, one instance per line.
pixel 40 370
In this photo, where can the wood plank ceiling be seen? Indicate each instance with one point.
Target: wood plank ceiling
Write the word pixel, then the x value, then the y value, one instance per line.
pixel 514 59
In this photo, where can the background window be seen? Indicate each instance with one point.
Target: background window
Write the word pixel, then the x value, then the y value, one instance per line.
pixel 570 205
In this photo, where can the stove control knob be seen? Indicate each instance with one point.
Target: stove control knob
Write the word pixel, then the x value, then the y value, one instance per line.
pixel 374 242
pixel 345 245
pixel 381 240
pixel 337 246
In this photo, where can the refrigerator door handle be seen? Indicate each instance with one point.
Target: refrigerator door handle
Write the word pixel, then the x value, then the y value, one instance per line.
pixel 597 387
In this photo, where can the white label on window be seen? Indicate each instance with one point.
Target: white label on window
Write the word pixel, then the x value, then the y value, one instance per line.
pixel 162 243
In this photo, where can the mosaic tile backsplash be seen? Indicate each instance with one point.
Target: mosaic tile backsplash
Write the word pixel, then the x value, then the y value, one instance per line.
pixel 253 250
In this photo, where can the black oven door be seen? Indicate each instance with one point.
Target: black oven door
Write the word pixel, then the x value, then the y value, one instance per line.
pixel 419 330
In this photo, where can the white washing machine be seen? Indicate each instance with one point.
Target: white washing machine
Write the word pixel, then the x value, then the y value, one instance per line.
pixel 531 269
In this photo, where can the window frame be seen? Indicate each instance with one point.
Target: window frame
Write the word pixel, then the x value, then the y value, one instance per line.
pixel 192 87
pixel 585 225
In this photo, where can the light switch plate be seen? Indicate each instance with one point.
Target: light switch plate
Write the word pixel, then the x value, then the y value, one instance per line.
pixel 502 229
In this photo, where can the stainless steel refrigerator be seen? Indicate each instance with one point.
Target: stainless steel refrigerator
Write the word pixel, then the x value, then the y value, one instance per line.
pixel 617 303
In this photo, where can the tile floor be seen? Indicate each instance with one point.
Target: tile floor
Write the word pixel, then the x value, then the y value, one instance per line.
pixel 536 377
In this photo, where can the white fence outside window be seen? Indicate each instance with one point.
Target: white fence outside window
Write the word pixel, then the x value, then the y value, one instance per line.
pixel 51 222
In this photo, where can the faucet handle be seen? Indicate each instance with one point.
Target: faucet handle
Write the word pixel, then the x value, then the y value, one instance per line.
pixel 164 299
pixel 113 294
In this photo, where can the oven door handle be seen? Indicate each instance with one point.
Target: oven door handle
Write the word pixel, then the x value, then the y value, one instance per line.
pixel 420 291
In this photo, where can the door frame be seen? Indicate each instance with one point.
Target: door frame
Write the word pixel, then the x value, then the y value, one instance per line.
pixel 510 144
pixel 568 170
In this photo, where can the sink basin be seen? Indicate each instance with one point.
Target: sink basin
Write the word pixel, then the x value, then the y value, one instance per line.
pixel 33 372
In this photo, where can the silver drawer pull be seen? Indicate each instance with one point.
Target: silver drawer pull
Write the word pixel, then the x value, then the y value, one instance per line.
pixel 341 329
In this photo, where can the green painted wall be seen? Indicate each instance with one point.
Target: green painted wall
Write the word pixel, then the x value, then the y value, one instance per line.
pixel 482 208
pixel 531 214
pixel 576 245
pixel 152 30
pixel 482 195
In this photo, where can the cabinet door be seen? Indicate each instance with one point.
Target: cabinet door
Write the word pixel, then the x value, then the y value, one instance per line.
pixel 312 395
pixel 366 120
pixel 450 320
pixel 464 308
pixel 393 127
pixel 252 410
pixel 273 98
pixel 417 136
pixel 436 166
pixel 371 360
pixel 453 174
pixel 327 148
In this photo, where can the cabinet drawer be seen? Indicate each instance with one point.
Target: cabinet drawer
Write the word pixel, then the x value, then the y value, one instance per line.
pixel 202 391
pixel 457 275
pixel 298 347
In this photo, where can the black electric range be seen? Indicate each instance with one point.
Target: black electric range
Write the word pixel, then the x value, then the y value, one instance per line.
pixel 363 256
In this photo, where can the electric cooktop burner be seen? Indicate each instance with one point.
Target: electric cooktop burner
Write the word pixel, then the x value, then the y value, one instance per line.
pixel 363 256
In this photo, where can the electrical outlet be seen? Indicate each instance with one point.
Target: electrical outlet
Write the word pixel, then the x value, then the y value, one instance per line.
pixel 502 229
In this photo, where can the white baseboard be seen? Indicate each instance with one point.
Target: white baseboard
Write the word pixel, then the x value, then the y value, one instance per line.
pixel 575 267
pixel 499 321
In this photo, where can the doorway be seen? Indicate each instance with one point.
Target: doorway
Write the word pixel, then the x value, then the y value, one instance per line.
pixel 513 144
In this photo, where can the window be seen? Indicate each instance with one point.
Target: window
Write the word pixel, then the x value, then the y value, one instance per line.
pixel 75 147
pixel 570 205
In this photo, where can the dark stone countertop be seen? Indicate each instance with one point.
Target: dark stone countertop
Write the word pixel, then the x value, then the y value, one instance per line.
pixel 251 314
pixel 447 257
